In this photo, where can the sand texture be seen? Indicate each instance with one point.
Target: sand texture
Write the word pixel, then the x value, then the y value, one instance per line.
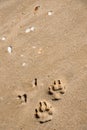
pixel 44 40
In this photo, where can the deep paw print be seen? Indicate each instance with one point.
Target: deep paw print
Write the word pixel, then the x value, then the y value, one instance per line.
pixel 56 89
pixel 44 112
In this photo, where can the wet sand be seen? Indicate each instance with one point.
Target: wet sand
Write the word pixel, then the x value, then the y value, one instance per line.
pixel 55 47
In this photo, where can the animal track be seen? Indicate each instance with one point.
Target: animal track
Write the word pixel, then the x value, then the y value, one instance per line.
pixel 23 98
pixel 44 112
pixel 36 9
pixel 56 89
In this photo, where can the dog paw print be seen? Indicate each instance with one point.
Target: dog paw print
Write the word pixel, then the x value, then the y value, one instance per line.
pixel 56 90
pixel 44 112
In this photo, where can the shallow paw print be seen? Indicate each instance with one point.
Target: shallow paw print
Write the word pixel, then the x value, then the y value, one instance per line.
pixel 22 98
pixel 56 89
pixel 44 112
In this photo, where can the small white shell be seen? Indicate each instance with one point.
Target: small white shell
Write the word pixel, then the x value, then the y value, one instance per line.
pixel 9 49
pixel 40 51
pixel 27 30
pixel 24 64
pixel 50 13
pixel 33 47
pixel 32 28
pixel 21 55
pixel 3 38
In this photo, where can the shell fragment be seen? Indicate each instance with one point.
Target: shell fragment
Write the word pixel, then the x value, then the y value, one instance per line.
pixel 9 49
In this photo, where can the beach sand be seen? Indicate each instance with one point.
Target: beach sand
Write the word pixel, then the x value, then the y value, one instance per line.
pixel 48 43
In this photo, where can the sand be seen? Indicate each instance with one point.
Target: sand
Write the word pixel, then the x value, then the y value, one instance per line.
pixel 54 47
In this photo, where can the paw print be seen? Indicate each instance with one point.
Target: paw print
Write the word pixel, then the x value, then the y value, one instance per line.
pixel 44 112
pixel 56 89
pixel 22 98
